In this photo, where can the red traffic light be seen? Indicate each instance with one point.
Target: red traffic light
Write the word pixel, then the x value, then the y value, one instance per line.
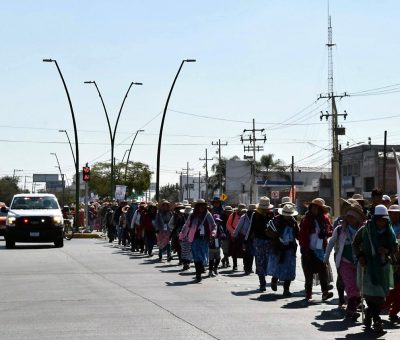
pixel 86 173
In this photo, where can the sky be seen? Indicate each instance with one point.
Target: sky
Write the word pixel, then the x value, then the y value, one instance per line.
pixel 256 59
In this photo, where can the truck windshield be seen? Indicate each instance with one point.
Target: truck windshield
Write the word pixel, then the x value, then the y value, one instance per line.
pixel 28 203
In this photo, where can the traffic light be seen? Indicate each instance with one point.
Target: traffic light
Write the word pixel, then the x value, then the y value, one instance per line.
pixel 86 173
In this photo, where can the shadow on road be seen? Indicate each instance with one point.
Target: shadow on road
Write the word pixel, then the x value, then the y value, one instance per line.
pixel 180 283
pixel 246 292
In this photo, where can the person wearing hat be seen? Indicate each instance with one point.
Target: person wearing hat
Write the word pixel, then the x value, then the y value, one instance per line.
pixel 232 217
pixel 147 222
pixel 285 200
pixel 186 246
pixel 176 224
pixel 315 228
pixel 386 201
pixel 373 244
pixel 228 211
pixel 135 227
pixel 239 240
pixel 217 208
pixel 284 231
pixel 163 230
pixel 259 240
pixel 393 299
pixel 199 230
pixel 376 199
pixel 214 250
pixel 345 261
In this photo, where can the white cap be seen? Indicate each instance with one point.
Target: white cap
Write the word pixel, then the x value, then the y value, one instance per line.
pixel 386 198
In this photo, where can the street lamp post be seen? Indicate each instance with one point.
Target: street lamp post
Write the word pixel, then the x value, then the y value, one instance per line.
pixel 62 178
pixel 129 153
pixel 70 145
pixel 77 181
pixel 162 127
pixel 112 134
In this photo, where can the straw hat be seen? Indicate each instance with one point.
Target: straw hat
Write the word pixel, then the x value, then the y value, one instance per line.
pixel 288 210
pixel 125 208
pixel 228 208
pixel 394 208
pixel 252 207
pixel 265 203
pixel 241 206
pixel 355 210
pixel 179 205
pixel 200 201
pixel 286 200
pixel 319 202
pixel 188 209
pixel 358 197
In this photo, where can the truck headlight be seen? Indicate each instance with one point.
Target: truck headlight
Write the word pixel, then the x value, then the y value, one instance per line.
pixel 11 221
pixel 57 220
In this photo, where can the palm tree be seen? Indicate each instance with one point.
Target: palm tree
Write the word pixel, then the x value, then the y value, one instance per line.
pixel 219 169
pixel 268 164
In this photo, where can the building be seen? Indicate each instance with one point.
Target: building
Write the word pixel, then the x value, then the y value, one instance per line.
pixel 308 184
pixel 362 169
pixel 190 188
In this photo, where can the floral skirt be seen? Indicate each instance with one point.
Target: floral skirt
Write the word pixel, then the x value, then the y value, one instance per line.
pixel 262 254
pixel 282 265
pixel 186 250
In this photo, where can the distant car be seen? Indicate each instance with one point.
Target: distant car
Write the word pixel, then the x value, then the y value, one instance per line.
pixel 34 218
pixel 3 217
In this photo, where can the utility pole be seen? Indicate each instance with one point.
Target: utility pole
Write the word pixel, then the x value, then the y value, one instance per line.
pixel 220 163
pixel 292 184
pixel 199 182
pixel 180 185
pixel 206 179
pixel 336 130
pixel 384 161
pixel 255 148
pixel 187 181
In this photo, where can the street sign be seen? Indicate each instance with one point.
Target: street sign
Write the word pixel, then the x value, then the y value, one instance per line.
pixel 275 195
pixel 223 197
pixel 120 192
pixel 45 178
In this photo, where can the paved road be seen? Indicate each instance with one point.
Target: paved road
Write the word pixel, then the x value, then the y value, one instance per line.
pixel 91 289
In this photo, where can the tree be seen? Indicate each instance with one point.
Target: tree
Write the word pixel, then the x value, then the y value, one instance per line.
pixel 268 164
pixel 138 177
pixel 8 188
pixel 219 169
pixel 170 192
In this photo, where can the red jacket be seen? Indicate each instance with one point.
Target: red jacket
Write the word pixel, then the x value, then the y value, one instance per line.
pixel 307 227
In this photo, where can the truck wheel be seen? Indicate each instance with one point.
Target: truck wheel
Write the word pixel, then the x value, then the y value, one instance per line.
pixel 59 243
pixel 10 244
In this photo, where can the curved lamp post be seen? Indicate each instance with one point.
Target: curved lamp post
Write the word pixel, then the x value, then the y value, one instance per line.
pixel 70 145
pixel 129 153
pixel 62 177
pixel 162 127
pixel 77 180
pixel 112 134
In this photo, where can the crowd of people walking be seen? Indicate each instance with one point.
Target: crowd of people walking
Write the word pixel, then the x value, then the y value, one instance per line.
pixel 209 236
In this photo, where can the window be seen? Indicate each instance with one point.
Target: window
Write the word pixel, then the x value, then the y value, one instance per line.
pixel 369 184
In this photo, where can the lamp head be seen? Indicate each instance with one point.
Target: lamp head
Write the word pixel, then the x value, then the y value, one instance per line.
pixel 48 60
pixel 190 60
pixel 137 83
pixel 89 82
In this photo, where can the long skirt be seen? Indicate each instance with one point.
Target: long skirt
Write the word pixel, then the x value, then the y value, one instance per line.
pixel 236 246
pixel 200 251
pixel 186 250
pixel 163 239
pixel 262 253
pixel 365 283
pixel 348 271
pixel 282 265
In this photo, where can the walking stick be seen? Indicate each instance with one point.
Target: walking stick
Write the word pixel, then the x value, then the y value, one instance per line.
pixel 362 294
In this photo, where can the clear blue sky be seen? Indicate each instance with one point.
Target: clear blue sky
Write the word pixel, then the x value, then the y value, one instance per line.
pixel 255 59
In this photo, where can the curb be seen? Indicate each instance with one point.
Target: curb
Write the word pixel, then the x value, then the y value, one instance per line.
pixel 87 235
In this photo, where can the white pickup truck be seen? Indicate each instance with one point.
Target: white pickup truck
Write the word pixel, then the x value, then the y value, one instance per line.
pixel 34 218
